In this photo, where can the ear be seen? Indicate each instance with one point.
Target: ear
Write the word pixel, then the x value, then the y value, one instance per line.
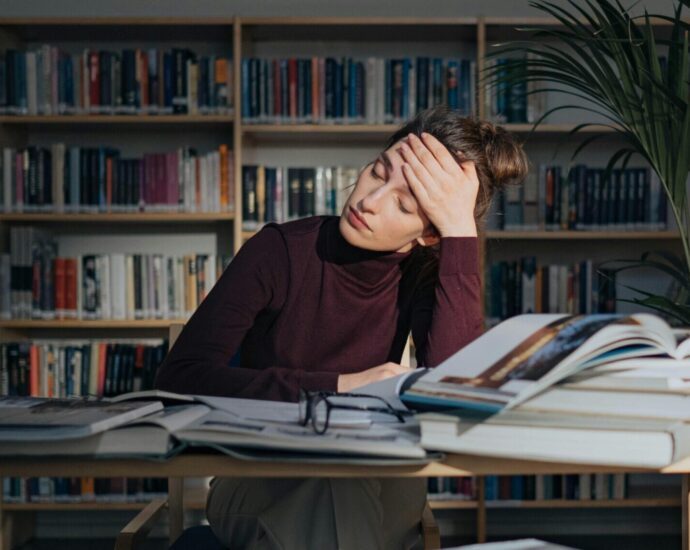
pixel 429 237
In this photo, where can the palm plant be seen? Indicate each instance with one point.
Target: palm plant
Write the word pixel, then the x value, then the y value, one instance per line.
pixel 609 59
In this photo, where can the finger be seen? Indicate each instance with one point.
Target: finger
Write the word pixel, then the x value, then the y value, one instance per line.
pixel 441 153
pixel 426 157
pixel 415 164
pixel 470 170
pixel 418 189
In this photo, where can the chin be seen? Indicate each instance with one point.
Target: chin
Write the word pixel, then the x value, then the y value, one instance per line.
pixel 351 235
pixel 348 232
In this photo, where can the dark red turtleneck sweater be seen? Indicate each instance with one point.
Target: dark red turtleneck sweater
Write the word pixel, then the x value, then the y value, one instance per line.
pixel 306 306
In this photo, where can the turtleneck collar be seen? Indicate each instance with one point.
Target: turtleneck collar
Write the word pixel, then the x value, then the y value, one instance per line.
pixel 367 266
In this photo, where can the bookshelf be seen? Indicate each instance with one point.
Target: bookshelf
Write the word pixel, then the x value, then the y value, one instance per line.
pixel 450 504
pixel 333 143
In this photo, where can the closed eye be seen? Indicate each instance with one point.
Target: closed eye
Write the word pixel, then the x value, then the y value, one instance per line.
pixel 373 172
pixel 376 176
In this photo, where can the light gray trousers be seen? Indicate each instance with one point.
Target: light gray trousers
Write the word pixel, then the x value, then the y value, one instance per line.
pixel 319 513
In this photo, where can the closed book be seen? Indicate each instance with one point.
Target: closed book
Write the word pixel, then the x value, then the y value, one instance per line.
pixel 638 443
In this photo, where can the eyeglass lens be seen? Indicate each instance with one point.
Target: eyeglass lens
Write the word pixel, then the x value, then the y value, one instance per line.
pixel 320 414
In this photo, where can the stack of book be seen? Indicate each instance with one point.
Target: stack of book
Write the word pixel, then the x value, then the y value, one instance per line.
pixel 98 180
pixel 36 282
pixel 51 81
pixel 532 487
pixel 66 368
pixel 452 488
pixel 22 490
pixel 280 194
pixel 346 90
pixel 607 389
pixel 523 286
pixel 556 487
pixel 514 102
pixel 582 198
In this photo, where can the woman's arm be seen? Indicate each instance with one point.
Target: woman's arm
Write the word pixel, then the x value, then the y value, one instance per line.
pixel 447 314
pixel 254 281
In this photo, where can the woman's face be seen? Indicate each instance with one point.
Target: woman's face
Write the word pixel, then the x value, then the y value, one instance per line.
pixel 382 197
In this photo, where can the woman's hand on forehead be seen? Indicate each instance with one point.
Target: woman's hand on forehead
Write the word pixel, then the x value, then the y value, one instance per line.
pixel 444 188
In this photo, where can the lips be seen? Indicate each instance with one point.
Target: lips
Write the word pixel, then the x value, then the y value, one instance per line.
pixel 360 218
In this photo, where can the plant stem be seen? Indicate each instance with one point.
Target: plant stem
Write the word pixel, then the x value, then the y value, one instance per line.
pixel 681 229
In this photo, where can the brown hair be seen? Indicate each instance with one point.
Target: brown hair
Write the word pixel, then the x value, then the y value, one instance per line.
pixel 498 159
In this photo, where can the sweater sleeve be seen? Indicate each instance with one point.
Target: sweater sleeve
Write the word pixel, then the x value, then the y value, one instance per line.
pixel 198 363
pixel 447 313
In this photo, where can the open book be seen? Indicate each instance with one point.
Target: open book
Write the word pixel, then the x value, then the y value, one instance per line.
pixel 526 354
pixel 224 424
pixel 43 419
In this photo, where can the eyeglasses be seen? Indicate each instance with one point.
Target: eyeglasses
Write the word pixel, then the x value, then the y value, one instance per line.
pixel 317 407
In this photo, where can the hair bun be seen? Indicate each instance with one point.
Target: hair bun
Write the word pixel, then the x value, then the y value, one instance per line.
pixel 506 160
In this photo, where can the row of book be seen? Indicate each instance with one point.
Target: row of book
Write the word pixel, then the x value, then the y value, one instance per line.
pixel 532 487
pixel 49 80
pixel 371 90
pixel 22 490
pixel 514 101
pixel 524 286
pixel 36 282
pixel 66 368
pixel 282 194
pixel 583 198
pixel 99 179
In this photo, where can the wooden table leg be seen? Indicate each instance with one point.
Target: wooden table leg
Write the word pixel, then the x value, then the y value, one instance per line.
pixel 686 511
pixel 175 507
pixel 16 528
pixel 481 509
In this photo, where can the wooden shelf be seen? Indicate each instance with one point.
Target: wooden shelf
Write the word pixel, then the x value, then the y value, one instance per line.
pixel 525 128
pixel 82 323
pixel 287 128
pixel 128 217
pixel 355 21
pixel 617 503
pixel 326 128
pixel 440 504
pixel 451 504
pixel 323 133
pixel 564 235
pixel 117 119
pixel 582 235
pixel 70 506
pixel 109 21
pixel 85 506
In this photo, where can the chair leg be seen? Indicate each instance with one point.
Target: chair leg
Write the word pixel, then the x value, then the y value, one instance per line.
pixel 176 507
pixel 139 527
pixel 430 531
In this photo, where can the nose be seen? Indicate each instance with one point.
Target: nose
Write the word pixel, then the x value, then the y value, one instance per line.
pixel 373 200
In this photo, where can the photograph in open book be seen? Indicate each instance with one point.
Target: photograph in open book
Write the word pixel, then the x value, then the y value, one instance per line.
pixel 534 357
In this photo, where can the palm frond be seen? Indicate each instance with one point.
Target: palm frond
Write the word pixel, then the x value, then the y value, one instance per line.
pixel 608 59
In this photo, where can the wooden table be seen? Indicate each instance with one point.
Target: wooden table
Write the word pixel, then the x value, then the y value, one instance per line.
pixel 204 465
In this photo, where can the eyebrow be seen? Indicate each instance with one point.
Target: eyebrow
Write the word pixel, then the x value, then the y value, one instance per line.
pixel 386 159
pixel 383 155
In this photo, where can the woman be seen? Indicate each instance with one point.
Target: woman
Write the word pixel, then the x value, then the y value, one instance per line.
pixel 327 303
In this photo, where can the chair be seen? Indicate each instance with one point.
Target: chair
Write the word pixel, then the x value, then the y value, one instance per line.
pixel 201 536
